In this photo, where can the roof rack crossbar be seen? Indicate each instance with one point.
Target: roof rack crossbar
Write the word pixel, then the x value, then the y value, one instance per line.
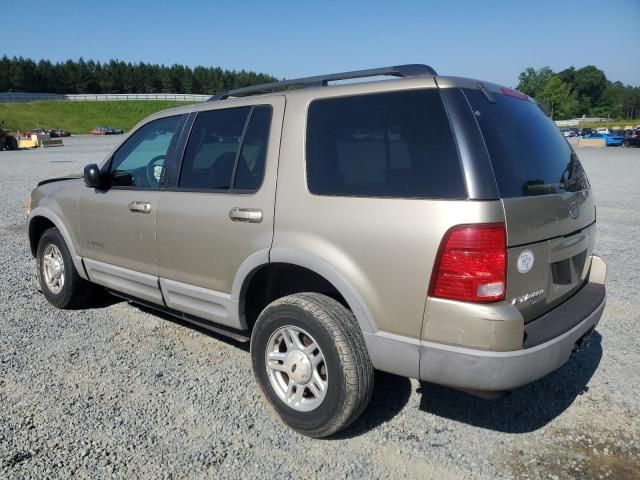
pixel 411 70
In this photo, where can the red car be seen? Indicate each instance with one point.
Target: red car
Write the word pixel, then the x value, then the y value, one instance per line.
pixel 33 131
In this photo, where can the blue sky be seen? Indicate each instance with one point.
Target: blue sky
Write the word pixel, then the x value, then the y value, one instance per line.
pixel 491 40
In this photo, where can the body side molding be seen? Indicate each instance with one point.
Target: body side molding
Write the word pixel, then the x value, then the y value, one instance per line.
pixel 201 302
pixel 136 284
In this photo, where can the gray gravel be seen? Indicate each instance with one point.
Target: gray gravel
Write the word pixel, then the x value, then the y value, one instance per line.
pixel 119 392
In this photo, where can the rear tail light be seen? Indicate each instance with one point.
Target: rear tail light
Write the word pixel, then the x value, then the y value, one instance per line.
pixel 471 265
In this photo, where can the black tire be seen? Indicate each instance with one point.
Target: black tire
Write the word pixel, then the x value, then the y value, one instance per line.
pixel 11 143
pixel 338 335
pixel 625 143
pixel 75 292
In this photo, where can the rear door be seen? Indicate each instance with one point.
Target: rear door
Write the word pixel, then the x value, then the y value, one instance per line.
pixel 220 210
pixel 549 207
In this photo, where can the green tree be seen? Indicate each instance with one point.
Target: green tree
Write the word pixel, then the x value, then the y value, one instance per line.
pixel 589 82
pixel 20 74
pixel 558 98
pixel 532 81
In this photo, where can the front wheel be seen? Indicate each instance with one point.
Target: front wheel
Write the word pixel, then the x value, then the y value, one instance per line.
pixel 625 143
pixel 59 280
pixel 311 363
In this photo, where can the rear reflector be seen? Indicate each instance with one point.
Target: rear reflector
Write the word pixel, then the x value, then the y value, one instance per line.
pixel 471 264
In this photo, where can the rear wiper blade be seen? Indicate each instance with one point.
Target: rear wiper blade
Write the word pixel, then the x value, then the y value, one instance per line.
pixel 539 188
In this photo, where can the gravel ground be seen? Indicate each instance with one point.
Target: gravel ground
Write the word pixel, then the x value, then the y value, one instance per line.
pixel 120 392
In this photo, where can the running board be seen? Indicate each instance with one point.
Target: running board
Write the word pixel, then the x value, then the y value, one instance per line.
pixel 237 335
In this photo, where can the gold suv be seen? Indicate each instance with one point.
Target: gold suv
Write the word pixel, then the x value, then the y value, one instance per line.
pixel 434 227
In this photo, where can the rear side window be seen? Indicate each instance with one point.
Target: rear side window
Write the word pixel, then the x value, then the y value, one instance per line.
pixel 227 149
pixel 528 152
pixel 396 144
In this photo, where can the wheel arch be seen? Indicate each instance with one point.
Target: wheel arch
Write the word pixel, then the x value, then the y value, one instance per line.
pixel 322 275
pixel 42 219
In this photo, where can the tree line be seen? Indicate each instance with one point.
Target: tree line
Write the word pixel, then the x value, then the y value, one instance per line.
pixel 18 74
pixel 575 92
pixel 569 93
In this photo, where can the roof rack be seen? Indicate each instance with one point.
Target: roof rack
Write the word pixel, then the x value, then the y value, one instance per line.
pixel 411 70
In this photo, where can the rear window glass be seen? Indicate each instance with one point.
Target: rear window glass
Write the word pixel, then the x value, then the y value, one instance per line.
pixel 528 152
pixel 395 144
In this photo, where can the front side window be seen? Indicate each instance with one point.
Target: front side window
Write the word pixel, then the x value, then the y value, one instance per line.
pixel 396 144
pixel 140 161
pixel 227 149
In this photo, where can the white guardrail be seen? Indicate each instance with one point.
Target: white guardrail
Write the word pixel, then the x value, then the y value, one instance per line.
pixel 576 122
pixel 10 97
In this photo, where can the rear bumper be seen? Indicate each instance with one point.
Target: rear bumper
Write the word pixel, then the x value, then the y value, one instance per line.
pixel 481 370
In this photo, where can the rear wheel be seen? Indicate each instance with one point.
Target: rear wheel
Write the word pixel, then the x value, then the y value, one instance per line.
pixel 59 280
pixel 311 363
pixel 625 143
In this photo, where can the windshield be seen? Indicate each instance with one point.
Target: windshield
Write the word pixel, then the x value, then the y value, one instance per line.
pixel 528 152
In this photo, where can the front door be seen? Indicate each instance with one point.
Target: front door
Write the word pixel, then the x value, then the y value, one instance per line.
pixel 220 211
pixel 118 223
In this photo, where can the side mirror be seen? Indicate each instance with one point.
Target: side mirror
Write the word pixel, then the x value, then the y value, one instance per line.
pixel 93 176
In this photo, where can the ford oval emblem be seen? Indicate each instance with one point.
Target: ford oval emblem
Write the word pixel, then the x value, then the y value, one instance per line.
pixel 525 261
pixel 574 210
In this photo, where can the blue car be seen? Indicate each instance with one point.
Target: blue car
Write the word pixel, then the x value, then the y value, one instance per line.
pixel 613 139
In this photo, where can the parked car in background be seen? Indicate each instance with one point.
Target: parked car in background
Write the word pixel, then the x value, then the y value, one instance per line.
pixel 603 131
pixel 614 138
pixel 33 131
pixel 106 131
pixel 58 132
pixel 52 132
pixel 586 131
pixel 632 139
pixel 611 140
pixel 99 131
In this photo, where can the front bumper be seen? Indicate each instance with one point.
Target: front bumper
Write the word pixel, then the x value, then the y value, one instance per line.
pixel 481 370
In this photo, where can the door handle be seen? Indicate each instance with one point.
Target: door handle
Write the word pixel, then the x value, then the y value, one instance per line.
pixel 246 215
pixel 140 207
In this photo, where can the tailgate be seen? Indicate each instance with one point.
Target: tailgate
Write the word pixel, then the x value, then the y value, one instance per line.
pixel 548 251
pixel 548 204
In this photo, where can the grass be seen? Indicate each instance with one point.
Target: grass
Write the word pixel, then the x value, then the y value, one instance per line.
pixel 79 117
